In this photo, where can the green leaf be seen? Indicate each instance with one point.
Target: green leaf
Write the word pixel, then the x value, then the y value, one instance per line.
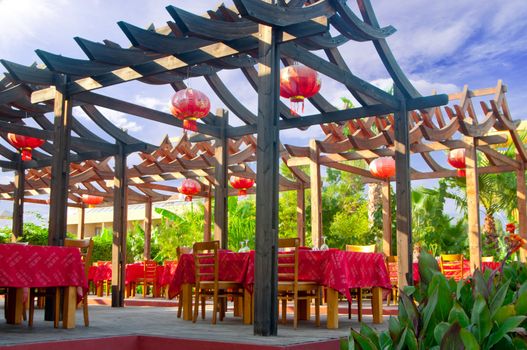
pixel 395 329
pixel 519 343
pixel 363 342
pixel 440 330
pixel 452 338
pixel 468 339
pixel 167 214
pixel 480 286
pixel 344 343
pixel 480 319
pixel 427 267
pixel 503 313
pixel 411 340
pixel 509 325
pixel 445 299
pixel 458 314
pixel 402 340
pixel 429 309
pixel 369 333
pixel 496 301
pixel 521 304
pixel 408 313
pixel 385 342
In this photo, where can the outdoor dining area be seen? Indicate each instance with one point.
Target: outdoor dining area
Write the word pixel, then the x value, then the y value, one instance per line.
pixel 269 236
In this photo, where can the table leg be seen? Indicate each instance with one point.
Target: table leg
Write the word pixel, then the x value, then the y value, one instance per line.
pixel 14 305
pixel 333 308
pixel 186 295
pixel 304 309
pixel 69 307
pixel 376 304
pixel 237 306
pixel 247 307
pixel 99 286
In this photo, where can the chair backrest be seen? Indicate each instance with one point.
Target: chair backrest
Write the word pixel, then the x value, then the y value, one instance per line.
pixel 360 248
pixel 451 265
pixel 182 250
pixel 487 259
pixel 150 270
pixel 206 262
pixel 288 260
pixel 393 268
pixel 86 248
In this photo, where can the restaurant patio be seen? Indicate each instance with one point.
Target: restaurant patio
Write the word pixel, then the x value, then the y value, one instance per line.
pixel 73 165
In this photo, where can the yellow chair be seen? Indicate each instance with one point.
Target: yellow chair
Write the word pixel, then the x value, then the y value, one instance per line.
pixel 359 292
pixel 451 265
pixel 149 277
pixel 288 284
pixel 208 284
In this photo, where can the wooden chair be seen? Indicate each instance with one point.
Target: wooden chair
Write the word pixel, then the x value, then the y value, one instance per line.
pixel 393 272
pixel 359 291
pixel 451 265
pixel 105 285
pixel 208 284
pixel 86 248
pixel 149 277
pixel 288 284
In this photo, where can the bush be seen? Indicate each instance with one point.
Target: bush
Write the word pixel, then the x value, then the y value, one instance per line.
pixel 486 311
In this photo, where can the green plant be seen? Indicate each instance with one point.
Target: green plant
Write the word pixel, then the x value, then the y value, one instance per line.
pixel 486 311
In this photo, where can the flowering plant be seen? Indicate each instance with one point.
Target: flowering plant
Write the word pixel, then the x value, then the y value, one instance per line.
pixel 510 227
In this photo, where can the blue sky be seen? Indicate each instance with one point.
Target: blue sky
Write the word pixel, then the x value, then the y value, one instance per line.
pixel 441 45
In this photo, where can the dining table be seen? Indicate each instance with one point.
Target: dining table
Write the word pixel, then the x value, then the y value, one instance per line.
pixel 338 271
pixel 27 266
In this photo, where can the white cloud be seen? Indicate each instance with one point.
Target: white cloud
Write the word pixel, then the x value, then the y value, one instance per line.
pixel 120 120
pixel 152 102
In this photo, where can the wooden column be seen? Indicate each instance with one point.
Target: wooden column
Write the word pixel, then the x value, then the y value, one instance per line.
pixel 474 232
pixel 208 215
pixel 521 193
pixel 221 191
pixel 120 208
pixel 386 219
pixel 147 223
pixel 316 193
pixel 301 214
pixel 80 223
pixel 403 195
pixel 18 202
pixel 267 154
pixel 60 163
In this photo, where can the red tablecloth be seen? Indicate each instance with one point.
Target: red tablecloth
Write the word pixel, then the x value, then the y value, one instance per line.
pixel 25 266
pixel 336 269
pixel 100 272
pixel 494 265
pixel 133 273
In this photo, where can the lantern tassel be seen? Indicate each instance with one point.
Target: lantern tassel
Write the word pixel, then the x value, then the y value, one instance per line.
pixel 188 199
pixel 242 192
pixel 190 124
pixel 26 154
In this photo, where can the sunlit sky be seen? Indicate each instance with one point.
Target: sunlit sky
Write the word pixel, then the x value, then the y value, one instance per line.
pixel 441 45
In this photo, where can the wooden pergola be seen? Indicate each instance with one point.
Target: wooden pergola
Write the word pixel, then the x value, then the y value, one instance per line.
pixel 74 160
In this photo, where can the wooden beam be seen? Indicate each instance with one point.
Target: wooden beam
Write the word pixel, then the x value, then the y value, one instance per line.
pixel 521 194
pixel 120 209
pixel 18 202
pixel 386 219
pixel 403 195
pixel 301 215
pixel 474 230
pixel 208 215
pixel 147 226
pixel 58 210
pixel 316 193
pixel 80 223
pixel 268 155
pixel 221 193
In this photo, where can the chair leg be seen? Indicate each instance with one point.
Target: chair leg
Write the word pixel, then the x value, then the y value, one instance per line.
pixel 85 311
pixel 31 307
pixel 284 310
pixel 56 317
pixel 196 306
pixel 180 305
pixel 359 303
pixel 214 306
pixel 295 314
pixel 317 308
pixel 145 286
pixel 349 310
pixel 203 307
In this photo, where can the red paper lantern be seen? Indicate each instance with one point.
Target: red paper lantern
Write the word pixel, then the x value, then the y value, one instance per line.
pixel 25 144
pixel 189 187
pixel 190 105
pixel 456 158
pixel 383 167
pixel 298 83
pixel 91 200
pixel 242 184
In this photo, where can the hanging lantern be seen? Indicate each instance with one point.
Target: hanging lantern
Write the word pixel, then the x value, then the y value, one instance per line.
pixel 91 200
pixel 242 184
pixel 298 83
pixel 189 187
pixel 456 158
pixel 190 105
pixel 383 167
pixel 25 144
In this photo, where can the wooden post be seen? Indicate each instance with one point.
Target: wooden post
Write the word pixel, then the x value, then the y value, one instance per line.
pixel 221 191
pixel 18 202
pixel 80 223
pixel 316 193
pixel 474 232
pixel 267 154
pixel 148 228
pixel 208 215
pixel 120 206
pixel 386 219
pixel 403 194
pixel 521 193
pixel 301 214
pixel 60 163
